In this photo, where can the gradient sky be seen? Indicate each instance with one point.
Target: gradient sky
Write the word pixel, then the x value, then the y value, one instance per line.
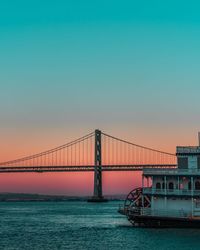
pixel 130 68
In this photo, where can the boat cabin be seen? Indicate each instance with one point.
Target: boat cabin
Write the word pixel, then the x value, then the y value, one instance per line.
pixel 175 192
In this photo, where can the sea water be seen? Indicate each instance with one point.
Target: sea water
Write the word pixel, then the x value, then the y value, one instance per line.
pixel 81 225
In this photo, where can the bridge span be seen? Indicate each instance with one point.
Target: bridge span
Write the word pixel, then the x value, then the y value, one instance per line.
pixel 96 152
pixel 41 169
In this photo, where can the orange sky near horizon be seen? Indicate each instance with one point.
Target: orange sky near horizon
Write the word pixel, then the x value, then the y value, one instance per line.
pixel 68 183
pixel 17 143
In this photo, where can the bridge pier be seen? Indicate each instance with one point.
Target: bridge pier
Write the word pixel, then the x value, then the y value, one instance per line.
pixel 98 194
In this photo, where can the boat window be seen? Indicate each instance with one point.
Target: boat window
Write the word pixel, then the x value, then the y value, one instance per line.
pixel 171 185
pixel 189 185
pixel 197 185
pixel 158 185
pixel 183 162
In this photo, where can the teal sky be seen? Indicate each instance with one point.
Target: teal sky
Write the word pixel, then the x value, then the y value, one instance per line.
pixel 131 68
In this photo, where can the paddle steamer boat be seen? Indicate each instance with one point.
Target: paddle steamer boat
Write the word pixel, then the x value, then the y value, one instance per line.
pixel 168 197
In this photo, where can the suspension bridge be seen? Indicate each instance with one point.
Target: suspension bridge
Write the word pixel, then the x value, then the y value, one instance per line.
pixel 97 152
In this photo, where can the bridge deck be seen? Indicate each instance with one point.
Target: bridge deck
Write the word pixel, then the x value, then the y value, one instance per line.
pixel 89 168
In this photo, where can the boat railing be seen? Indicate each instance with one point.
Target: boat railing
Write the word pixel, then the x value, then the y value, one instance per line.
pixel 170 171
pixel 171 191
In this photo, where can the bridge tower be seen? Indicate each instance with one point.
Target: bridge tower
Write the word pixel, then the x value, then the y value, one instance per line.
pixel 98 195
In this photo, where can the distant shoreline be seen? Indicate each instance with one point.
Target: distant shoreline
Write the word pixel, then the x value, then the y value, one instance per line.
pixel 21 197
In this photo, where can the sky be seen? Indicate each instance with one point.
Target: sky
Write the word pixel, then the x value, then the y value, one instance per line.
pixel 129 68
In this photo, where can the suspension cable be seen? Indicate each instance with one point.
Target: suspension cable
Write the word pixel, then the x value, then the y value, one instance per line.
pixel 137 145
